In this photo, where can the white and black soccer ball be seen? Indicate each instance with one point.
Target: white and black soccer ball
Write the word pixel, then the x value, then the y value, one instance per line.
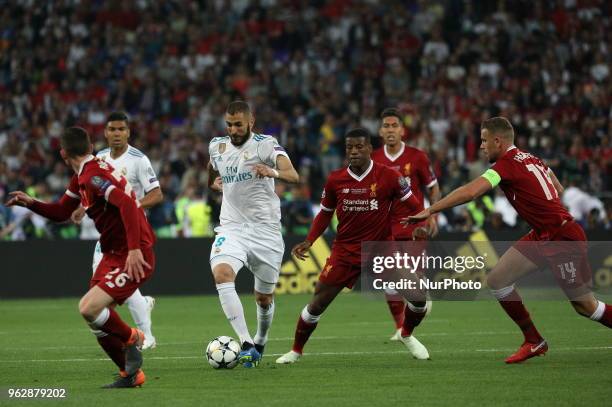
pixel 222 352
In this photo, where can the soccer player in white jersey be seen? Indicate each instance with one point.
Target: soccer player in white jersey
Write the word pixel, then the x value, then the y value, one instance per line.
pixel 136 167
pixel 243 165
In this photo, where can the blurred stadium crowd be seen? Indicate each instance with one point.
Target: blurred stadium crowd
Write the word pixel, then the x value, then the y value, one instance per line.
pixel 310 70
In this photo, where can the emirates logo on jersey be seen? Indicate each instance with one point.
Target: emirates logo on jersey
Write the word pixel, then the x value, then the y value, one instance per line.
pixel 373 190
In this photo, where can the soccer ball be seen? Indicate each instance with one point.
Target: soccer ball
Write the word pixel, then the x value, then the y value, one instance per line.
pixel 222 352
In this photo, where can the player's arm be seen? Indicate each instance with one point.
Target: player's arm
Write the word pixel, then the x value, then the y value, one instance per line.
pixel 319 225
pixel 128 209
pixel 148 180
pixel 556 182
pixel 461 195
pixel 433 193
pixel 284 170
pixel 152 198
pixel 321 222
pixel 214 180
pixel 59 211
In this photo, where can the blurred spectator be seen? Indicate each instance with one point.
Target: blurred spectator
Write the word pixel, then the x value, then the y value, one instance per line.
pixel 313 69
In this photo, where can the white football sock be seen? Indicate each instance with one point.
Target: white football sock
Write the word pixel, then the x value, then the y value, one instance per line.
pixel 139 308
pixel 232 307
pixel 264 321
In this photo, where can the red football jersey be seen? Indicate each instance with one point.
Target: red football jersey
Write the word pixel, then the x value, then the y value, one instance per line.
pixel 93 184
pixel 362 203
pixel 527 184
pixel 413 164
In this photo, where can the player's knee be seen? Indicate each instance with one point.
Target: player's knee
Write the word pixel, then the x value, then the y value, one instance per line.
pixel 264 300
pixel 584 308
pixel 495 281
pixel 86 309
pixel 223 273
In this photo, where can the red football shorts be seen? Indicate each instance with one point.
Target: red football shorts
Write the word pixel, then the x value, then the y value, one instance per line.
pixel 343 266
pixel 401 233
pixel 110 277
pixel 565 254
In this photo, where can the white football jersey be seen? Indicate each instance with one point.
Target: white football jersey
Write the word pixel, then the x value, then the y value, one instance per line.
pixel 246 199
pixel 136 167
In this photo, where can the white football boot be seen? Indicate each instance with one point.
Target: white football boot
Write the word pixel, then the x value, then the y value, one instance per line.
pixel 416 348
pixel 289 358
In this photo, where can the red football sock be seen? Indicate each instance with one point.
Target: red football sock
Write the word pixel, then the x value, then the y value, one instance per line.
pixel 113 347
pixel 513 305
pixel 115 326
pixel 397 310
pixel 412 318
pixel 606 318
pixel 302 333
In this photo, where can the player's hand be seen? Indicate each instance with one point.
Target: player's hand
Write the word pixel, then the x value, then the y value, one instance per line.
pixel 19 198
pixel 78 215
pixel 432 226
pixel 420 233
pixel 301 250
pixel 135 264
pixel 419 217
pixel 262 171
pixel 217 185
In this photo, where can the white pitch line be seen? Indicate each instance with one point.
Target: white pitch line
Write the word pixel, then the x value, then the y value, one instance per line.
pixel 567 349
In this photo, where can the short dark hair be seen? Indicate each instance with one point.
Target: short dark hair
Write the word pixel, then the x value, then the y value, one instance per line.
pixel 391 112
pixel 75 142
pixel 359 132
pixel 238 106
pixel 499 125
pixel 117 117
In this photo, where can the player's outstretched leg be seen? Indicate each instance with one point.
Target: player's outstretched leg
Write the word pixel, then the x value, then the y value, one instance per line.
pixel 414 313
pixel 95 308
pixel 225 274
pixel 533 344
pixel 594 309
pixel 309 318
pixel 396 307
pixel 306 325
pixel 125 380
pixel 141 307
pixel 265 315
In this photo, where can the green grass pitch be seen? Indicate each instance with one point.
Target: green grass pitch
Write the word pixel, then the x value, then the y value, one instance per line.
pixel 348 361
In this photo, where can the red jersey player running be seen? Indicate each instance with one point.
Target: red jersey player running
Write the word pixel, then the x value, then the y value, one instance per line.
pixel 127 246
pixel 533 190
pixel 361 195
pixel 413 164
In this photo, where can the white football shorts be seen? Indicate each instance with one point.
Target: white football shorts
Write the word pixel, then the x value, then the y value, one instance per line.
pixel 259 247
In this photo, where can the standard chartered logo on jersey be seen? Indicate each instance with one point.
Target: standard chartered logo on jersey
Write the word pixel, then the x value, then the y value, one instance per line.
pixel 297 277
pixel 232 175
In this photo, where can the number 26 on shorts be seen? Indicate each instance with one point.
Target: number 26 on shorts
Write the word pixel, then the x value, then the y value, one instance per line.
pixel 119 279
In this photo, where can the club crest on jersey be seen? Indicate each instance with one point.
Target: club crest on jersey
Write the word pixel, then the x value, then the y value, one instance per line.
pixel 124 171
pixel 345 190
pixel 373 189
pixel 221 148
pixel 246 155
pixel 407 169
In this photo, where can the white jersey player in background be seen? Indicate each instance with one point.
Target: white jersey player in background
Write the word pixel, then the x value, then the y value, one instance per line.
pixel 136 167
pixel 243 166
